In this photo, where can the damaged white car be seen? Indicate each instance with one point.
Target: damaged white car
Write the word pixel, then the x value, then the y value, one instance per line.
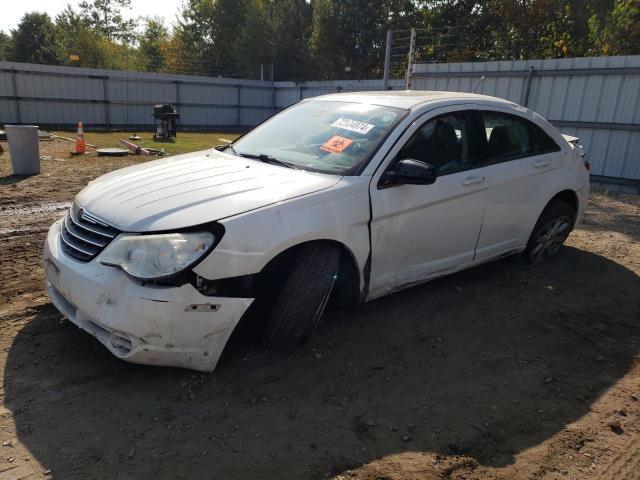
pixel 349 196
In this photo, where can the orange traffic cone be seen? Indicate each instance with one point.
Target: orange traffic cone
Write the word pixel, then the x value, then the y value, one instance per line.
pixel 81 146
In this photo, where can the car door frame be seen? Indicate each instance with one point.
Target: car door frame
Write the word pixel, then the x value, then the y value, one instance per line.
pixel 502 175
pixel 376 286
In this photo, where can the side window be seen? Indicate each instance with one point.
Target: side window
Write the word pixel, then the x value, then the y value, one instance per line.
pixel 443 142
pixel 542 143
pixel 510 137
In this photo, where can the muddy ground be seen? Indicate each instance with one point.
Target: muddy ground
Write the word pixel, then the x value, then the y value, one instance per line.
pixel 504 371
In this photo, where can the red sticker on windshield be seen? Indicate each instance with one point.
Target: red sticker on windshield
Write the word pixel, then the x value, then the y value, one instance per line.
pixel 336 144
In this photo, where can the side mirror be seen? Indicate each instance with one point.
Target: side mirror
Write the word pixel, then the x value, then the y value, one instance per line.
pixel 410 172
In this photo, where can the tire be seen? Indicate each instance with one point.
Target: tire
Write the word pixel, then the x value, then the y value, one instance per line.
pixel 303 298
pixel 551 230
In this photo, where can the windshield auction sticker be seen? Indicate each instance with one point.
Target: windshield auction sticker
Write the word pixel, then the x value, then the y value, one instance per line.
pixel 353 125
pixel 336 144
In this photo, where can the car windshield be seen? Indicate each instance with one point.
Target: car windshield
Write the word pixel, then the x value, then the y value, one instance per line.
pixel 321 136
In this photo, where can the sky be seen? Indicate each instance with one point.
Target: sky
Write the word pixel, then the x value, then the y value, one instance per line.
pixel 11 11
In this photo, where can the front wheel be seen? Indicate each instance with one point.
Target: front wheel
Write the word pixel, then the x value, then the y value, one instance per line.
pixel 551 230
pixel 303 298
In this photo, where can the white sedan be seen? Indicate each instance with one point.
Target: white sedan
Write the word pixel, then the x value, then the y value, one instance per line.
pixel 347 196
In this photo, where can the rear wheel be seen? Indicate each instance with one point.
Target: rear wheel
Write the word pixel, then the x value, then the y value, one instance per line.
pixel 303 298
pixel 551 230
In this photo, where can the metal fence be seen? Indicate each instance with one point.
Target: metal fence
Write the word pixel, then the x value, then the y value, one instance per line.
pixel 54 96
pixel 596 99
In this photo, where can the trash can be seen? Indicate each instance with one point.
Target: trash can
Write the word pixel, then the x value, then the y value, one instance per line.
pixel 24 149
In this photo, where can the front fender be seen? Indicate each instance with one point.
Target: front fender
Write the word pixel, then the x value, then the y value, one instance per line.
pixel 253 239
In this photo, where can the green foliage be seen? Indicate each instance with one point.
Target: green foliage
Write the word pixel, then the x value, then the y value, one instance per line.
pixel 5 46
pixel 154 43
pixel 348 36
pixel 322 39
pixel 212 29
pixel 291 23
pixel 621 34
pixel 105 17
pixel 34 41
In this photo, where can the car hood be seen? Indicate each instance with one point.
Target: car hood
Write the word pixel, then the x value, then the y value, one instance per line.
pixel 193 189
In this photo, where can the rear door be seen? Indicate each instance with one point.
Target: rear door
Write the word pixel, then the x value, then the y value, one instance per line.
pixel 420 231
pixel 521 167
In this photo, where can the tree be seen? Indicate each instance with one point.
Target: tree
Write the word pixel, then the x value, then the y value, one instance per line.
pixel 348 37
pixel 154 43
pixel 621 35
pixel 212 29
pixel 326 40
pixel 34 40
pixel 90 47
pixel 76 38
pixel 105 16
pixel 255 44
pixel 291 24
pixel 5 46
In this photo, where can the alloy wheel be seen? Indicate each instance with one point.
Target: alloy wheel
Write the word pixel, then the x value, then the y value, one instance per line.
pixel 550 238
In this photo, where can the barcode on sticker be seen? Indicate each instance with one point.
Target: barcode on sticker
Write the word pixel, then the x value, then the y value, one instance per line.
pixel 353 125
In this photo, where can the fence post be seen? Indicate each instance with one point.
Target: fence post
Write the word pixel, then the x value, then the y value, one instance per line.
pixel 274 98
pixel 15 94
pixel 411 60
pixel 387 61
pixel 527 88
pixel 107 121
pixel 238 105
pixel 177 83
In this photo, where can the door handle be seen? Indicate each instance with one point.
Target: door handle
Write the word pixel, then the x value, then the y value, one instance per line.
pixel 542 164
pixel 472 181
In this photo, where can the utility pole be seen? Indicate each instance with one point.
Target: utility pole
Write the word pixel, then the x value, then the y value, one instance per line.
pixel 387 60
pixel 411 60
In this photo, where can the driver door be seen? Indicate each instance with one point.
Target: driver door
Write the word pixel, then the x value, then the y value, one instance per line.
pixel 423 231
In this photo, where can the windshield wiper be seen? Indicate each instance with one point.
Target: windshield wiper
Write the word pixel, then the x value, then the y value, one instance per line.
pixel 263 157
pixel 226 146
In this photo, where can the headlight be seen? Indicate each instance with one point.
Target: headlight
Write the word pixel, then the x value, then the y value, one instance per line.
pixel 153 257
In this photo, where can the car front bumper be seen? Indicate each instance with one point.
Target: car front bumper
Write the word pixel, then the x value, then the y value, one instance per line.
pixel 170 326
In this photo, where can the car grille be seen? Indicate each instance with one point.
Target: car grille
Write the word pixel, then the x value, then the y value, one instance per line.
pixel 83 236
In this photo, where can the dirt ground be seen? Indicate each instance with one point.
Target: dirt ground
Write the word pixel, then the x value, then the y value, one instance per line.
pixel 505 371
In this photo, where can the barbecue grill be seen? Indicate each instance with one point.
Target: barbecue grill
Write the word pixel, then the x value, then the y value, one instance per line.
pixel 166 119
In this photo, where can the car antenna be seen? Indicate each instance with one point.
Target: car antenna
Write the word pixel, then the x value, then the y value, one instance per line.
pixel 475 90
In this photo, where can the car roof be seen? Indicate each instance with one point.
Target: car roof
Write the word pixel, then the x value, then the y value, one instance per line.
pixel 409 99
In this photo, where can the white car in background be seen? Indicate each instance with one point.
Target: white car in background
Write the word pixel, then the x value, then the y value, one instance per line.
pixel 349 196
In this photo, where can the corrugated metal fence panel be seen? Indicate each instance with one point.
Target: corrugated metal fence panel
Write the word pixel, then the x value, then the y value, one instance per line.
pixel 288 93
pixel 592 98
pixel 54 95
pixel 596 99
pixel 62 95
pixel 7 106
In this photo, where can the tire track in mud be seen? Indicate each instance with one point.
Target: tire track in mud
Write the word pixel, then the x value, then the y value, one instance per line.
pixel 20 219
pixel 625 465
pixel 38 208
pixel 23 228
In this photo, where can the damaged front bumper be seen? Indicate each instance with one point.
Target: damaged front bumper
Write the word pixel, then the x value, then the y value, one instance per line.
pixel 152 325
